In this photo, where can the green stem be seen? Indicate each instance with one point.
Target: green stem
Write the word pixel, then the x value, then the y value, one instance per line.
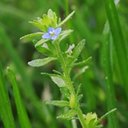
pixel 69 84
pixel 81 118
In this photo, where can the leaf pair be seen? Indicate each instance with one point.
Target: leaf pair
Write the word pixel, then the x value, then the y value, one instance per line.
pixel 69 114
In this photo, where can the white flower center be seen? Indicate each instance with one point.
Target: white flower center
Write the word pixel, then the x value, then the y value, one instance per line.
pixel 52 33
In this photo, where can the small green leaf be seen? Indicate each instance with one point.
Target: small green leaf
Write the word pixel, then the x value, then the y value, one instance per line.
pixel 44 50
pixel 106 114
pixel 50 13
pixel 82 62
pixel 47 20
pixel 64 34
pixel 57 72
pixel 59 103
pixel 78 89
pixel 68 114
pixel 58 80
pixel 53 18
pixel 38 23
pixel 40 42
pixel 77 50
pixel 31 36
pixel 66 19
pixel 80 71
pixel 41 62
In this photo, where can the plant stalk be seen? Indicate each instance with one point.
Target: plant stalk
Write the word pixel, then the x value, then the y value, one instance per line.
pixel 69 84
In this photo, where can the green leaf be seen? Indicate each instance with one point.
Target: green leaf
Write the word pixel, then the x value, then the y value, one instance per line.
pixel 106 114
pixel 68 114
pixel 47 20
pixel 22 114
pixel 44 50
pixel 78 89
pixel 66 19
pixel 77 50
pixel 82 62
pixel 59 103
pixel 64 34
pixel 41 62
pixel 38 23
pixel 53 17
pixel 40 42
pixel 80 71
pixel 5 106
pixel 50 13
pixel 57 72
pixel 58 80
pixel 31 36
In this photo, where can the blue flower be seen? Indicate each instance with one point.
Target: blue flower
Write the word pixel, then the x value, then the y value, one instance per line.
pixel 52 33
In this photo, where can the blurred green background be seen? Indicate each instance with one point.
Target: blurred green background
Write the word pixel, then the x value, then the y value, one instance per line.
pixel 88 23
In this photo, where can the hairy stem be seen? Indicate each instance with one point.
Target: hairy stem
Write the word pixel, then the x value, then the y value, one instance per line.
pixel 69 84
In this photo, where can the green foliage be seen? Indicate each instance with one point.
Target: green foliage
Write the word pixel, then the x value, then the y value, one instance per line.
pixel 5 106
pixel 32 36
pixel 64 79
pixel 59 103
pixel 99 82
pixel 47 20
pixel 68 114
pixel 119 40
pixel 41 62
pixel 58 80
pixel 78 49
pixel 64 34
pixel 66 19
pixel 91 120
pixel 23 117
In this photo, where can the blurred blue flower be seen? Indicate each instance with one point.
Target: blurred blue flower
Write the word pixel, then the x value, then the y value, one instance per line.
pixel 52 33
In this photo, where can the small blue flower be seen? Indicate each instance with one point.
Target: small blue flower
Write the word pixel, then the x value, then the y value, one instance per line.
pixel 52 33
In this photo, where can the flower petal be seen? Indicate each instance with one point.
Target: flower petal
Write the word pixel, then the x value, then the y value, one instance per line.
pixel 50 29
pixel 46 36
pixel 57 31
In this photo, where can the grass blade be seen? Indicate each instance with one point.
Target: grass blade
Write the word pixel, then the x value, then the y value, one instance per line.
pixel 118 41
pixel 23 118
pixel 5 106
pixel 107 65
